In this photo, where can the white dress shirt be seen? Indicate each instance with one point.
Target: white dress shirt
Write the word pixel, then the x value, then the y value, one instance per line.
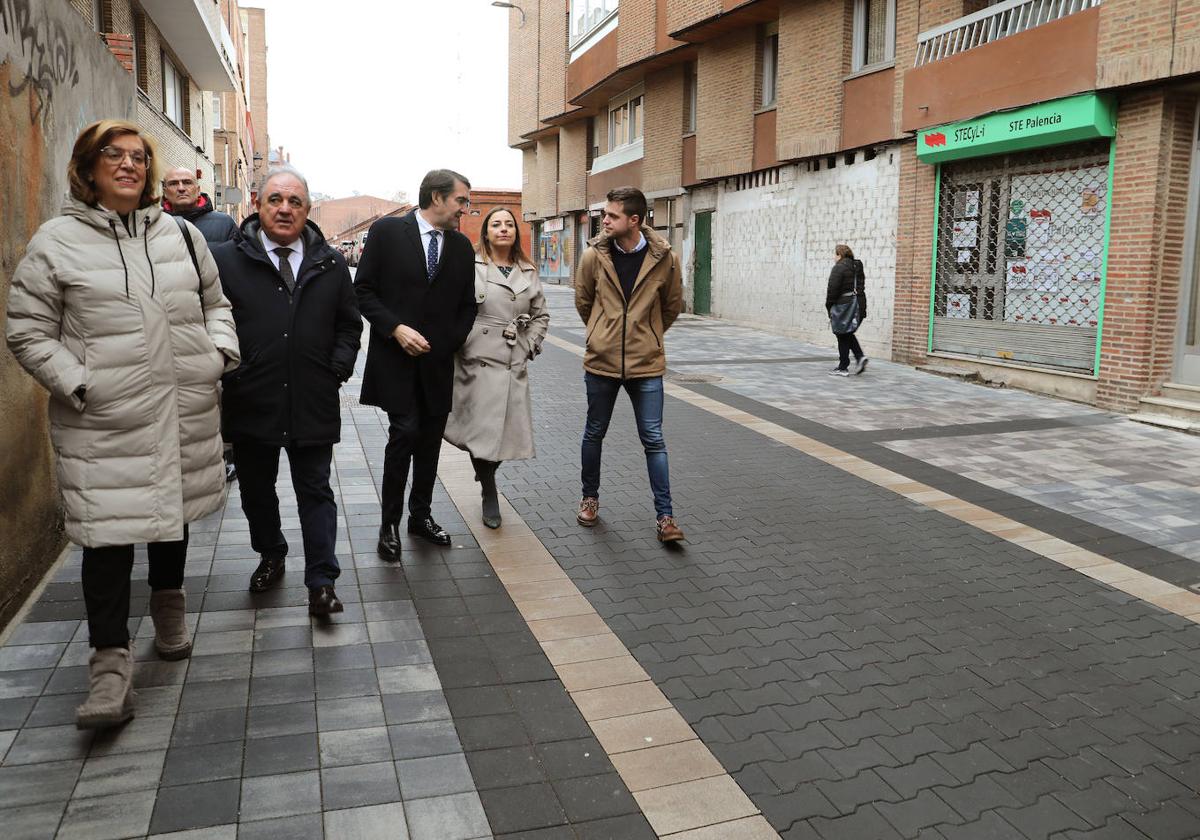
pixel 295 258
pixel 426 229
pixel 641 244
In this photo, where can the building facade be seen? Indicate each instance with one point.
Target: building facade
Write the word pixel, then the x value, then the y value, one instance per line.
pixel 1016 175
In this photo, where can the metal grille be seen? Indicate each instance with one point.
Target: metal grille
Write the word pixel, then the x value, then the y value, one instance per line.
pixel 999 20
pixel 1020 255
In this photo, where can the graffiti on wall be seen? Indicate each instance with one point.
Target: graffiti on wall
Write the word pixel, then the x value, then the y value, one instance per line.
pixel 41 51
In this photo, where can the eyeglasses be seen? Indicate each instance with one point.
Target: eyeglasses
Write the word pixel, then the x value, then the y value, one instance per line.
pixel 115 156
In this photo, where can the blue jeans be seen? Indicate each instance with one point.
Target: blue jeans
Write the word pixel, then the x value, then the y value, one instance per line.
pixel 646 396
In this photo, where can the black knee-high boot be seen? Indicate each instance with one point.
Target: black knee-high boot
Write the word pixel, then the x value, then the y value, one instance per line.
pixel 485 474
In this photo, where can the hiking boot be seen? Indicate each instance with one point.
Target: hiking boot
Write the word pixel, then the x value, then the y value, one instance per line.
pixel 668 531
pixel 589 511
pixel 110 696
pixel 167 611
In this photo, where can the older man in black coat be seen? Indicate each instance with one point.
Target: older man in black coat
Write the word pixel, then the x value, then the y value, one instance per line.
pixel 416 288
pixel 298 324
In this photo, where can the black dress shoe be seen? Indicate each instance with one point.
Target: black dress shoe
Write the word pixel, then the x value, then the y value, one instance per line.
pixel 268 573
pixel 323 601
pixel 389 542
pixel 428 530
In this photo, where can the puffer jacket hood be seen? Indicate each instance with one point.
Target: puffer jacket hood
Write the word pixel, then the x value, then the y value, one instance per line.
pixel 625 337
pixel 114 322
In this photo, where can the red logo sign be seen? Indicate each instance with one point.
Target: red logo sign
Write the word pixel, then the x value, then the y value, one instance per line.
pixel 936 138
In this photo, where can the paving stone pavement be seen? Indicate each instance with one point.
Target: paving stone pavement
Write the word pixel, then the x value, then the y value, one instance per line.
pixel 863 666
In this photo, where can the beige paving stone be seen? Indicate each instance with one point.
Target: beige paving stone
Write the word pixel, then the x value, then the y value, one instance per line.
pixel 1180 602
pixel 583 649
pixel 1111 573
pixel 1079 559
pixel 667 765
pixel 638 732
pixel 555 607
pixel 614 701
pixel 1150 588
pixel 618 670
pixel 691 805
pixel 749 828
pixel 567 627
pixel 536 590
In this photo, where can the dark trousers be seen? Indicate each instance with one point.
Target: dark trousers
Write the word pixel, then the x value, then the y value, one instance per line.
pixel 106 585
pixel 847 344
pixel 415 438
pixel 258 467
pixel 646 397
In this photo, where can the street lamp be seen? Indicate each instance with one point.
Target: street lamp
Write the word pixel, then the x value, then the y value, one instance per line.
pixel 499 4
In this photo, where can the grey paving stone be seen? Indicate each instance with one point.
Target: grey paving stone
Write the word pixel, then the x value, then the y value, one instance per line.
pixel 434 776
pixel 268 797
pixel 403 678
pixel 213 727
pixel 203 763
pixel 108 817
pixel 355 746
pixel 195 806
pixel 415 707
pixel 359 785
pixel 103 775
pixel 456 817
pixel 48 743
pixel 358 682
pixel 420 740
pixel 374 822
pixel 229 666
pixel 282 754
pixel 301 827
pixel 39 783
pixel 33 822
pixel 282 719
pixel 350 713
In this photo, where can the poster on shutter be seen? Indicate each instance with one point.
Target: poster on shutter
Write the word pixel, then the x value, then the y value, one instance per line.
pixel 971 205
pixel 1018 275
pixel 958 306
pixel 1064 246
pixel 966 234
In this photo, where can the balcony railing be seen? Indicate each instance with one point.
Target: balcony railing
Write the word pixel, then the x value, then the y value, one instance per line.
pixel 991 24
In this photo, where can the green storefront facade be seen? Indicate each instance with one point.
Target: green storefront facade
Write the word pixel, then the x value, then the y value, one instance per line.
pixel 1022 218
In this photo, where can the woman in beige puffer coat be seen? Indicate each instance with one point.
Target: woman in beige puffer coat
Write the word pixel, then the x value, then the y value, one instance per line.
pixel 109 313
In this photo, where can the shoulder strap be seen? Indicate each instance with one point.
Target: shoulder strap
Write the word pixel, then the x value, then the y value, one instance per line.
pixel 191 246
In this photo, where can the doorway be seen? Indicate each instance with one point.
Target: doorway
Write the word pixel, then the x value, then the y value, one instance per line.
pixel 1187 347
pixel 702 276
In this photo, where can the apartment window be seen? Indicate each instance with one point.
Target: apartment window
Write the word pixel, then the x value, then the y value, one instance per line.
pixel 874 33
pixel 770 64
pixel 173 82
pixel 626 116
pixel 593 147
pixel 98 22
pixel 691 100
pixel 588 15
pixel 140 67
pixel 216 109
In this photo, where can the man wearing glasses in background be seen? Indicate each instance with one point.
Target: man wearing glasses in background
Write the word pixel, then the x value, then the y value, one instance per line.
pixel 416 288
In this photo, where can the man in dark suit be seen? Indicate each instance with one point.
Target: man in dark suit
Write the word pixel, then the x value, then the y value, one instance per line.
pixel 416 288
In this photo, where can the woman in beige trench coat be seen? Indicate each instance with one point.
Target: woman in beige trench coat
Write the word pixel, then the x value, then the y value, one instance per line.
pixel 109 313
pixel 491 417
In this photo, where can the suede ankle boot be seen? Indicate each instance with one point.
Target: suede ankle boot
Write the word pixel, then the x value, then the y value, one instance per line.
pixel 168 608
pixel 485 474
pixel 110 696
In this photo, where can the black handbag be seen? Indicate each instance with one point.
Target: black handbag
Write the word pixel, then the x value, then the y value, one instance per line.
pixel 843 315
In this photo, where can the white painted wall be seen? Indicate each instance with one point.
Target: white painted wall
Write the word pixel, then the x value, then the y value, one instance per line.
pixel 773 247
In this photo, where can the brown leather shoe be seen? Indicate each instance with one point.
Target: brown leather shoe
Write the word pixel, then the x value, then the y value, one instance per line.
pixel 589 511
pixel 668 531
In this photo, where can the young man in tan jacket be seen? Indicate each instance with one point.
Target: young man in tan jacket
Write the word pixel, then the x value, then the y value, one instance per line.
pixel 628 290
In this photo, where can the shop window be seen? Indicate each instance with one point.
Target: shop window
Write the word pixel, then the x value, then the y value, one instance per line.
pixel 589 15
pixel 874 33
pixel 626 118
pixel 769 65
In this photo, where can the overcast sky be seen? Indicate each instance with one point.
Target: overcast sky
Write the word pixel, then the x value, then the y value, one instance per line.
pixel 368 95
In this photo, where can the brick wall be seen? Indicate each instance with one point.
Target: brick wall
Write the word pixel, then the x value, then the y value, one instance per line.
pixel 572 166
pixel 635 36
pixel 914 253
pixel 1135 41
pixel 552 69
pixel 813 58
pixel 523 73
pixel 682 13
pixel 256 37
pixel 662 165
pixel 547 165
pixel 724 115
pixel 1146 246
pixel 773 247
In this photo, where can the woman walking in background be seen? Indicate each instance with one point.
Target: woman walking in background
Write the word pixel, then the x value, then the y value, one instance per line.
pixel 111 313
pixel 846 303
pixel 491 417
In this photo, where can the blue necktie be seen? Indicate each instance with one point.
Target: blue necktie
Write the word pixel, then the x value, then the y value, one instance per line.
pixel 432 261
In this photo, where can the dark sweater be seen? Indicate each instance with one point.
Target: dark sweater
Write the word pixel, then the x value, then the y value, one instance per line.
pixel 627 266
